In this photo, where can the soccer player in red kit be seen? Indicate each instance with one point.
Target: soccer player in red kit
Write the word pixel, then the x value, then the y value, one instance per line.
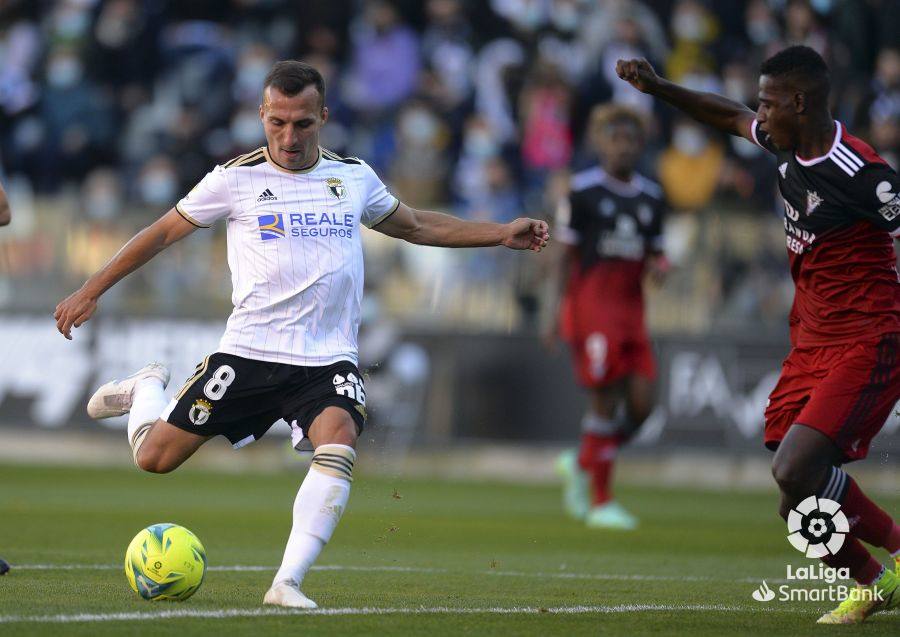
pixel 612 224
pixel 841 377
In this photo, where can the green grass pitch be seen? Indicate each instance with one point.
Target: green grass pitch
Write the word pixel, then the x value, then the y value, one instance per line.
pixel 410 557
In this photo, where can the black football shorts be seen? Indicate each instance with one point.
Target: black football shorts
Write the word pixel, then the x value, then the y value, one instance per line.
pixel 241 399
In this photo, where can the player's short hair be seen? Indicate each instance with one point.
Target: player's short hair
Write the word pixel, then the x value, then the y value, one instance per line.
pixel 802 67
pixel 292 76
pixel 602 115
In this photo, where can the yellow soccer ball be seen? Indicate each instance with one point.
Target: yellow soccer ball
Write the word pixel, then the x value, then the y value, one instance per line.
pixel 165 561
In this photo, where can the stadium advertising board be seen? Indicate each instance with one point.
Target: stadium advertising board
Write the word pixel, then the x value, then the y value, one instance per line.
pixel 490 387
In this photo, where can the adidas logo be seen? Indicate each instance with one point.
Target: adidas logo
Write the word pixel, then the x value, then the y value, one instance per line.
pixel 267 196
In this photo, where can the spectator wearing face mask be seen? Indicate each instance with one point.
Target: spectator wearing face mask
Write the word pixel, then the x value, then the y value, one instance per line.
pixel 525 16
pixel 694 28
pixel 885 135
pixel 560 42
pixel 879 111
pixel 629 39
pixel 480 145
pixel 78 119
pixel 761 25
pixel 544 114
pixel 802 26
pixel 253 64
pixel 499 200
pixel 122 53
pixel 689 168
pixel 20 51
pixel 624 22
pixel 383 73
pixel 419 167
pixel 447 54
pixel 385 62
pixel 157 183
pixel 102 194
pixel 747 169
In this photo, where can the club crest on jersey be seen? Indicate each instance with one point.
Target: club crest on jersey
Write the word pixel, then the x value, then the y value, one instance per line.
pixel 813 200
pixel 199 411
pixel 271 226
pixel 336 187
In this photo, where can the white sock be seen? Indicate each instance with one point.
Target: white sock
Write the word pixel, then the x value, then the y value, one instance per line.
pixel 148 403
pixel 592 423
pixel 320 502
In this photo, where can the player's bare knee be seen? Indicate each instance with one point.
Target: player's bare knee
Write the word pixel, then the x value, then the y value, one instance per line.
pixel 145 460
pixel 344 434
pixel 152 460
pixel 334 426
pixel 785 474
pixel 795 478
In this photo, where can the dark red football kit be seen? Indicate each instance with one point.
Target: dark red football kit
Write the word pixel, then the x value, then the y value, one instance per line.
pixel 614 226
pixel 842 211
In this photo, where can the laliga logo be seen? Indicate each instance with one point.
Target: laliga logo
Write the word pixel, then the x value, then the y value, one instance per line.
pixel 817 527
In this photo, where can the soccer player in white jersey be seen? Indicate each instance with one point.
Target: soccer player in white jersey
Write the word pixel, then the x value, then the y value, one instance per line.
pixel 293 212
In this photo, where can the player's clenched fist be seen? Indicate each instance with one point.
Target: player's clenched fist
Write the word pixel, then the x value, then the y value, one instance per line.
pixel 639 73
pixel 526 234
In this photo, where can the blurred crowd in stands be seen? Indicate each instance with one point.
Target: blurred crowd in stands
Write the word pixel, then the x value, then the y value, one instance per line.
pixel 477 107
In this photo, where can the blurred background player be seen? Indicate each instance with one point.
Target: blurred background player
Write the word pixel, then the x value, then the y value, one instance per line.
pixel 841 379
pixel 611 223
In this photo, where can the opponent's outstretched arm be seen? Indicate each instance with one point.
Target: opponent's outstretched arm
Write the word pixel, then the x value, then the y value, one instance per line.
pixel 428 228
pixel 78 307
pixel 719 112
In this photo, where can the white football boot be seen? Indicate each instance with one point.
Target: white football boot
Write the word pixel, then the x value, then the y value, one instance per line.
pixel 611 515
pixel 576 485
pixel 287 593
pixel 115 397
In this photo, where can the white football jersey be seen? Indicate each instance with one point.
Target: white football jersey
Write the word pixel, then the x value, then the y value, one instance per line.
pixel 295 252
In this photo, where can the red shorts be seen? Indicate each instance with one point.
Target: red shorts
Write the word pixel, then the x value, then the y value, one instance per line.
pixel 844 391
pixel 606 345
pixel 602 359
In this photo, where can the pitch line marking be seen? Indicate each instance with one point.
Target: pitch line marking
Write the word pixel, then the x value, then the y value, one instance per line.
pixel 637 577
pixel 227 613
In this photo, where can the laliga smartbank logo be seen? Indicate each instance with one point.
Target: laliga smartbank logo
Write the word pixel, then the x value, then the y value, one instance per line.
pixel 834 586
pixel 816 527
